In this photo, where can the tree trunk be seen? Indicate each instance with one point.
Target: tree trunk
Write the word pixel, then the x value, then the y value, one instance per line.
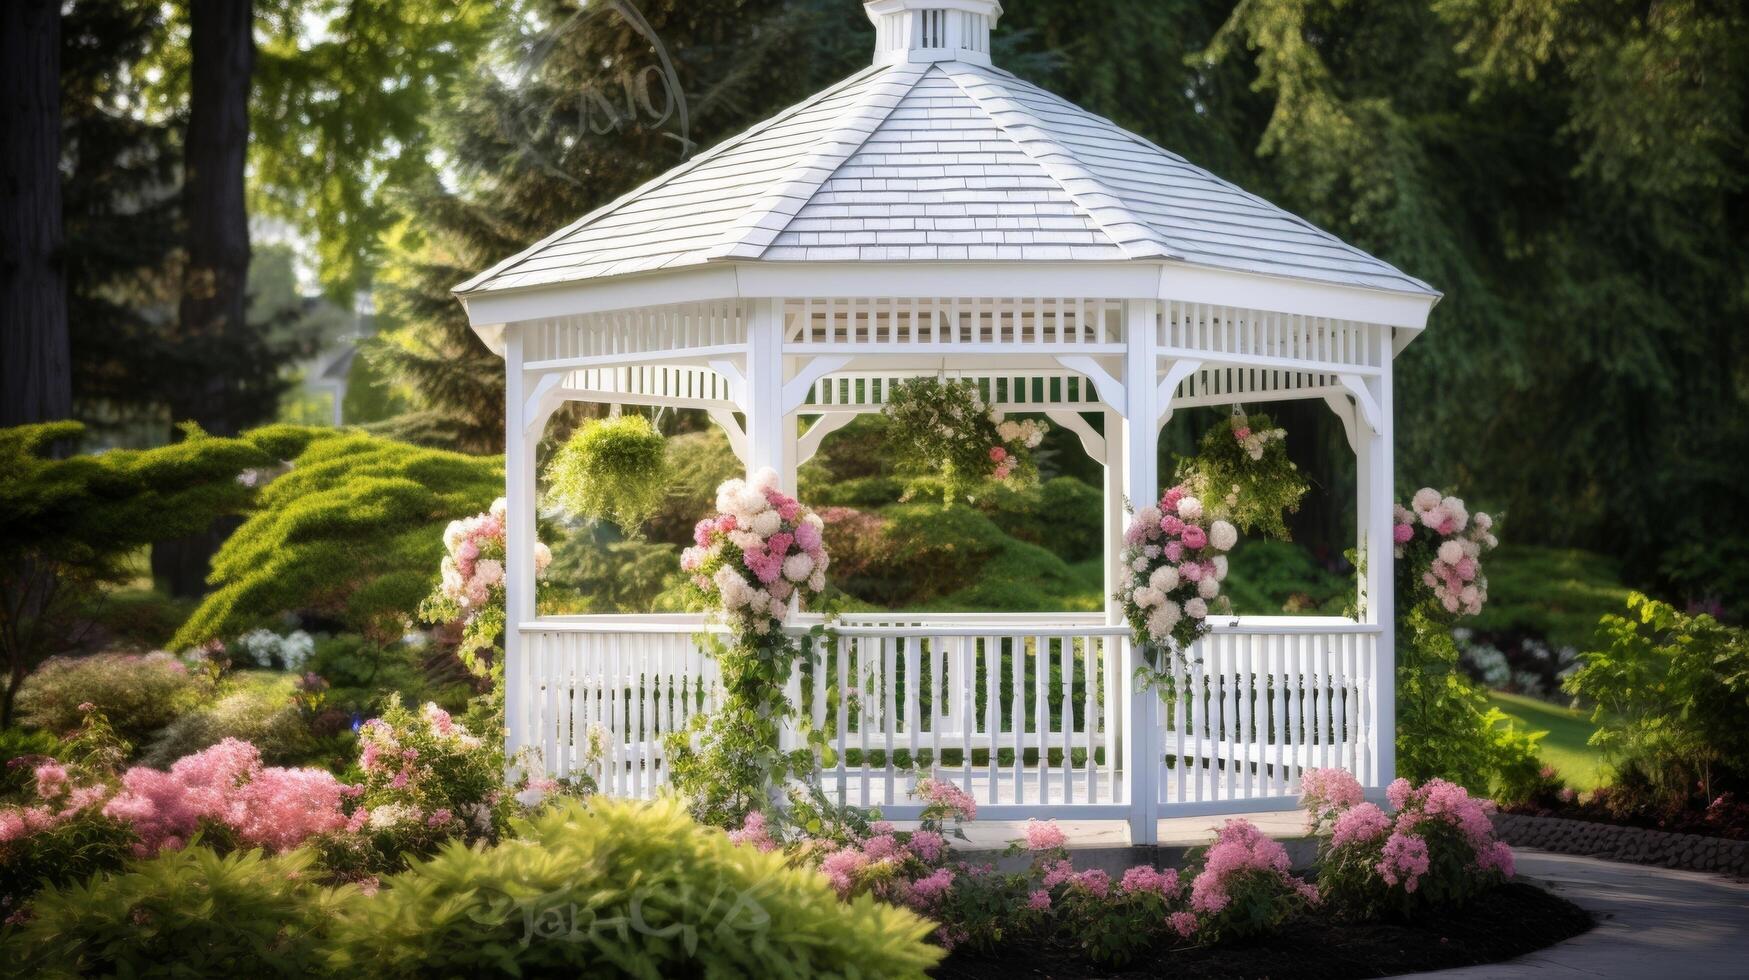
pixel 35 367
pixel 215 280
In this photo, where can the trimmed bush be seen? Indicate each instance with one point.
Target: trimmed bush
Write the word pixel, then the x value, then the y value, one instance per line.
pixel 251 706
pixel 184 913
pixel 140 694
pixel 621 888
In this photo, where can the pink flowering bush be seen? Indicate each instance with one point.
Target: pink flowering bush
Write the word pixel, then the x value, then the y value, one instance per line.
pixel 1242 884
pixel 1438 849
pixel 1324 793
pixel 470 588
pixel 1440 543
pixel 422 779
pixel 1175 557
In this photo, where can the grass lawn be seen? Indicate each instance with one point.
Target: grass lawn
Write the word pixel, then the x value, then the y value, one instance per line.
pixel 1564 747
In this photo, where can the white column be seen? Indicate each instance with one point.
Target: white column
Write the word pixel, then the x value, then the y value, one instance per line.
pixel 1375 475
pixel 519 538
pixel 1141 437
pixel 766 431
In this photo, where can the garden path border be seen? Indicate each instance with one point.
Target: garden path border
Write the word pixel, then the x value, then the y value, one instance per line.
pixel 1635 845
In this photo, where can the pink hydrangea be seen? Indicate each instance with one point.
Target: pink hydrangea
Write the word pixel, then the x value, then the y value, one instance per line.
pixel 1045 836
pixel 928 890
pixel 880 847
pixel 1093 881
pixel 754 833
pixel 1058 873
pixel 1145 878
pixel 1183 923
pixel 841 867
pixel 1239 848
pixel 942 795
pixel 1397 794
pixel 1363 823
pixel 1194 537
pixel 1329 790
pixel 1404 861
pixel 1039 900
pixel 928 845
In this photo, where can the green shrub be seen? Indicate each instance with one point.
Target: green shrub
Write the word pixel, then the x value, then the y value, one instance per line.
pixel 358 672
pixel 612 469
pixel 1671 693
pixel 18 748
pixel 593 573
pixel 139 693
pixel 142 619
pixel 622 888
pixel 1554 594
pixel 1063 515
pixel 350 534
pixel 699 462
pixel 184 913
pixel 253 706
pixel 1268 578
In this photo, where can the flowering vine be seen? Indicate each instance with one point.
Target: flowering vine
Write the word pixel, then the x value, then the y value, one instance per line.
pixel 758 557
pixel 471 585
pixel 1439 547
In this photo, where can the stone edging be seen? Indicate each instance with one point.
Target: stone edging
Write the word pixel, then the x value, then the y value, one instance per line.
pixel 1635 845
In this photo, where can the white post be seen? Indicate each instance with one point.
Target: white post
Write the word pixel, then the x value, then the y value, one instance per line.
pixel 1141 449
pixel 764 406
pixel 519 538
pixel 1375 475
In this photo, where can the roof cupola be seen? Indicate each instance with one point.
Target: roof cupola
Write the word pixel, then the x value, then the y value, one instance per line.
pixel 932 30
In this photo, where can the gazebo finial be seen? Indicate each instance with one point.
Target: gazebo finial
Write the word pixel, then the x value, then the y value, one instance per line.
pixel 932 30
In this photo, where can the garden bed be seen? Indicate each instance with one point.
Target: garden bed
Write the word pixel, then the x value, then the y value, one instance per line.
pixel 1506 922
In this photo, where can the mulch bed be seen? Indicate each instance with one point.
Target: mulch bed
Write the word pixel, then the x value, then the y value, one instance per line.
pixel 1507 922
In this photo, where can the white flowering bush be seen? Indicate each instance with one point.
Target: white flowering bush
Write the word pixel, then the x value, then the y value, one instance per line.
pixel 945 424
pixel 759 554
pixel 1441 544
pixel 471 586
pixel 1175 560
pixel 275 652
pixel 761 549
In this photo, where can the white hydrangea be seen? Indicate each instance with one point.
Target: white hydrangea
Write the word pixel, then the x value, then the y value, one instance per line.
pixel 1196 608
pixel 1451 552
pixel 765 479
pixel 1223 535
pixel 500 507
pixel 1148 515
pixel 1190 509
pixel 1220 563
pixel 766 523
pixel 1164 578
pixel 1162 619
pixel 728 495
pixel 1425 500
pixel 1208 587
pixel 1146 596
pixel 798 567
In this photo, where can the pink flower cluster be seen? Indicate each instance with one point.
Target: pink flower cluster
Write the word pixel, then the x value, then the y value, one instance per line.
pixel 1457 540
pixel 754 833
pixel 1176 565
pixel 1017 438
pixel 268 807
pixel 759 551
pixel 1326 792
pixel 1241 850
pixel 473 570
pixel 59 799
pixel 943 800
pixel 1399 849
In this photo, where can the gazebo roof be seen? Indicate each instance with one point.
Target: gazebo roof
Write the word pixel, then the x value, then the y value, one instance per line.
pixel 938 157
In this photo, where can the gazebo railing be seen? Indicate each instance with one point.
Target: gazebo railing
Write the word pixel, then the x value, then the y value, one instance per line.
pixel 1023 712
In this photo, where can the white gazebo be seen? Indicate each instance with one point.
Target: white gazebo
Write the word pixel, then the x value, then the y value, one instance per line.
pixel 935 214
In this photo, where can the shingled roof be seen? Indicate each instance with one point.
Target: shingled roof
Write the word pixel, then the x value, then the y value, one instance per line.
pixel 948 160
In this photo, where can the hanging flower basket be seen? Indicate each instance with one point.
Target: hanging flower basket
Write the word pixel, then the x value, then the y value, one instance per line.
pixel 1241 471
pixel 612 469
pixel 944 425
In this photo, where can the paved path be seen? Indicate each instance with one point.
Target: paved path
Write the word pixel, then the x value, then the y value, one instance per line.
pixel 1651 922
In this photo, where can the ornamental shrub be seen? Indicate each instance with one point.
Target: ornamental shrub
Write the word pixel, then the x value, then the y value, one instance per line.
pixel 140 694
pixel 79 523
pixel 185 913
pixel 1670 692
pixel 1241 885
pixel 1436 852
pixel 349 534
pixel 612 469
pixel 258 707
pixel 622 888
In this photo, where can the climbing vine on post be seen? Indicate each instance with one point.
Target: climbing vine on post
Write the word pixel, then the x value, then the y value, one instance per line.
pixel 761 555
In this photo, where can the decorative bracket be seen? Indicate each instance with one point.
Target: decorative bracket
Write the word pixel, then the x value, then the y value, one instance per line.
pixel 1175 375
pixel 733 429
pixel 1344 409
pixel 1363 401
pixel 795 390
pixel 808 443
pixel 737 381
pixel 542 402
pixel 1110 389
pixel 1092 442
